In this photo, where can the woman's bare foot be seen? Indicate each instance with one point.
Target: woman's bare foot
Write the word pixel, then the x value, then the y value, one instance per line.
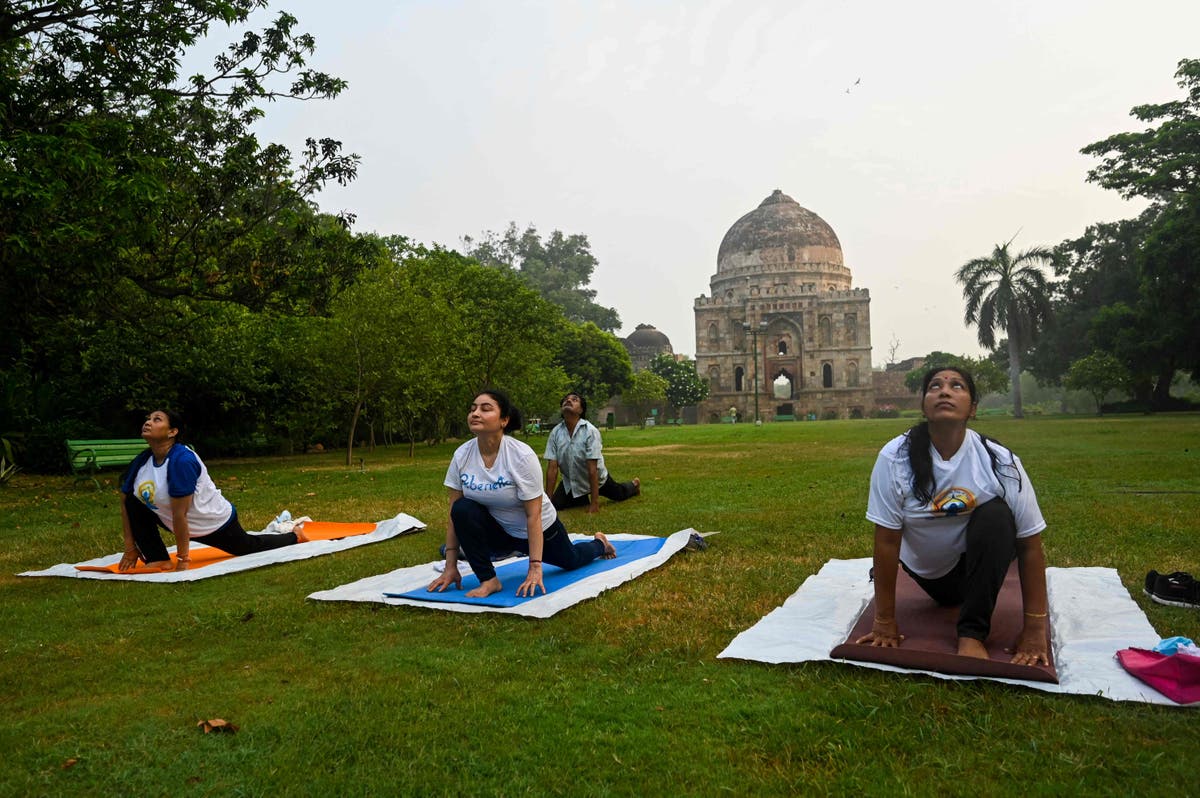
pixel 970 647
pixel 162 565
pixel 637 487
pixel 609 550
pixel 298 531
pixel 486 589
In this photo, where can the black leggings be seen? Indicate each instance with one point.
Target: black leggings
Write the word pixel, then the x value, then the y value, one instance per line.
pixel 609 489
pixel 479 534
pixel 976 579
pixel 230 538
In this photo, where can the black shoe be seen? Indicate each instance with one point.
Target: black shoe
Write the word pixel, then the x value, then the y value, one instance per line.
pixel 1177 590
pixel 696 542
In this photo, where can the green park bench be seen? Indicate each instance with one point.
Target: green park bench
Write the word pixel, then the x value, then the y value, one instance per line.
pixel 784 417
pixel 87 457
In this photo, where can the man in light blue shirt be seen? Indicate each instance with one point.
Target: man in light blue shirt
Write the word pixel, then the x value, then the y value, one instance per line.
pixel 574 450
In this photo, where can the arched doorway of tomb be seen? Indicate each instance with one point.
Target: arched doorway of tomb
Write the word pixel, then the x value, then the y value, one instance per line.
pixel 783 387
pixel 827 375
pixel 739 379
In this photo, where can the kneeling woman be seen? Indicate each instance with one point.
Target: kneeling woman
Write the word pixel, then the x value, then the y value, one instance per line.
pixel 168 486
pixel 953 508
pixel 498 503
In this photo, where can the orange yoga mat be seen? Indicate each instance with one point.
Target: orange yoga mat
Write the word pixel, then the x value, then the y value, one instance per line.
pixel 207 555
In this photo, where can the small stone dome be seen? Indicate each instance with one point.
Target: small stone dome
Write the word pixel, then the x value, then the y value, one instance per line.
pixel 780 230
pixel 645 335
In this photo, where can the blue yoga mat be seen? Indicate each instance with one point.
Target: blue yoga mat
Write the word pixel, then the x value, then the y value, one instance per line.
pixel 513 574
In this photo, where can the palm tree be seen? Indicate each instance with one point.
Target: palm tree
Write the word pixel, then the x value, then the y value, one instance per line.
pixel 1010 294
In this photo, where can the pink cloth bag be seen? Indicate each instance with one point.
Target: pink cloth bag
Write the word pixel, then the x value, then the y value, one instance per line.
pixel 1177 676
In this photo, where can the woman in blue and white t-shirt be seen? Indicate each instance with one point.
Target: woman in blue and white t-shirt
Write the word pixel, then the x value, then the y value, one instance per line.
pixel 498 503
pixel 954 508
pixel 168 486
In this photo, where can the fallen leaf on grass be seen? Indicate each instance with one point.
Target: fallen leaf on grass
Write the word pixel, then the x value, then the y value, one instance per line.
pixel 217 725
pixel 69 763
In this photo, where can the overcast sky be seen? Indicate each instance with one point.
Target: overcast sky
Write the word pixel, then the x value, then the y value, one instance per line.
pixel 651 127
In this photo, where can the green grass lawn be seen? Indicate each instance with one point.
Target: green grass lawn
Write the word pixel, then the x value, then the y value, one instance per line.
pixel 103 683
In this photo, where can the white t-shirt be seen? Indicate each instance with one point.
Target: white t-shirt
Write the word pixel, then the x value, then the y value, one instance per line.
pixel 181 473
pixel 514 478
pixel 933 534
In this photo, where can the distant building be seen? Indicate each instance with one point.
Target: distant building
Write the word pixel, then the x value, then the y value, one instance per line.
pixel 890 388
pixel 646 343
pixel 782 307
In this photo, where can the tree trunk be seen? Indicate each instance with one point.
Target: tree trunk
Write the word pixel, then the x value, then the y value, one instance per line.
pixel 350 441
pixel 1162 388
pixel 1014 374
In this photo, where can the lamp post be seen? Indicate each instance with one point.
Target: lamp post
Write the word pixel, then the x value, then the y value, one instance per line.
pixel 761 329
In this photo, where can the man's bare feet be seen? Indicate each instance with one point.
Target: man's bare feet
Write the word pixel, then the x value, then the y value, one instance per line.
pixel 486 589
pixel 609 550
pixel 970 647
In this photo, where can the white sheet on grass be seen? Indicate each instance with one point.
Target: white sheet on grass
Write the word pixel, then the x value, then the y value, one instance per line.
pixel 390 528
pixel 404 579
pixel 1092 617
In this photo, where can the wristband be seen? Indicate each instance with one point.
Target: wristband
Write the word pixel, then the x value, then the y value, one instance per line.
pixel 1037 614
pixel 538 562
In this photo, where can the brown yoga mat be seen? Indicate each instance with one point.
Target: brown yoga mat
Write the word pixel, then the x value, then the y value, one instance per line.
pixel 931 641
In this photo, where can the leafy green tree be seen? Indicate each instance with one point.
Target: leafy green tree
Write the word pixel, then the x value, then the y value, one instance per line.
pixel 1097 269
pixel 482 326
pixel 120 178
pixel 559 268
pixel 1097 374
pixel 1011 294
pixel 1162 163
pixel 596 362
pixel 685 388
pixel 989 377
pixel 645 390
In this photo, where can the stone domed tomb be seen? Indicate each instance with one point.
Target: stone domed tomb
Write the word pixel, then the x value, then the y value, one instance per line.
pixel 782 306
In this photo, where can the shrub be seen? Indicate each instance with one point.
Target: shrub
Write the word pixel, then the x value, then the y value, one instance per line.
pixel 886 411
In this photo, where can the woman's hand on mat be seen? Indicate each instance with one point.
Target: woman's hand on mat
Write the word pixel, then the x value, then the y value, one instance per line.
pixel 129 561
pixel 1031 645
pixel 533 580
pixel 884 633
pixel 450 576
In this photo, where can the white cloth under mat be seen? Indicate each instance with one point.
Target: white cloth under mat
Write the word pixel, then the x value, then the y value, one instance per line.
pixel 401 580
pixel 1092 616
pixel 390 528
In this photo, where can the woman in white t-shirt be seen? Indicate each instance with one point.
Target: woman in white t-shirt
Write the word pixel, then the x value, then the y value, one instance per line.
pixel 954 508
pixel 168 486
pixel 498 503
